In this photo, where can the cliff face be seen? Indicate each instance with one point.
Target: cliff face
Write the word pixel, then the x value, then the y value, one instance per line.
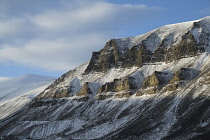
pixel 167 44
pixel 116 55
pixel 144 87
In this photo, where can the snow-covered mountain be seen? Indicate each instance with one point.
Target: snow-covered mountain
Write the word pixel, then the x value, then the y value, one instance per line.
pixel 152 86
pixel 18 91
pixel 4 78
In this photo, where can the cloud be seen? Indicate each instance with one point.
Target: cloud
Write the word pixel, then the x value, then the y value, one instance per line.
pixel 9 27
pixel 60 38
pixel 59 54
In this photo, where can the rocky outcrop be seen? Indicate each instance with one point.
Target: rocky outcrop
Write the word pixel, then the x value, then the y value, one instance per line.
pixel 101 96
pixel 122 87
pixel 125 84
pixel 188 73
pixel 186 48
pixel 124 94
pixel 85 90
pixel 109 86
pixel 118 85
pixel 41 103
pixel 58 92
pixel 83 98
pixel 174 86
pixel 181 77
pixel 152 84
pixel 60 79
pixel 104 95
pixel 105 59
pixel 150 81
pixel 139 92
pixel 116 56
pixel 157 79
pixel 137 56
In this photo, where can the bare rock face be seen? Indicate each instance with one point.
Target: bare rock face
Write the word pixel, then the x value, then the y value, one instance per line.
pixel 105 59
pixel 41 103
pixel 83 98
pixel 114 56
pixel 173 87
pixel 175 78
pixel 125 84
pixel 123 87
pixel 188 73
pixel 62 92
pixel 109 86
pixel 55 93
pixel 149 91
pixel 175 83
pixel 118 85
pixel 157 79
pixel 152 84
pixel 150 81
pixel 101 96
pixel 139 92
pixel 181 77
pixel 137 56
pixel 85 90
pixel 186 48
pixel 124 94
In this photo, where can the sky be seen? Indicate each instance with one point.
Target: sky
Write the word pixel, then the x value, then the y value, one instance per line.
pixel 51 37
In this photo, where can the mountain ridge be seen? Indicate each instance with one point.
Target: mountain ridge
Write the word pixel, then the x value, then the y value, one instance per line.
pixel 146 48
pixel 153 88
pixel 160 56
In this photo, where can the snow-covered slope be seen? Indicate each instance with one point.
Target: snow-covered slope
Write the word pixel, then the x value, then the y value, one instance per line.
pixel 4 78
pixel 172 33
pixel 152 86
pixel 17 92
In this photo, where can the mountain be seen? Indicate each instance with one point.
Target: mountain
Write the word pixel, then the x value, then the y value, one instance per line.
pixel 17 92
pixel 152 86
pixel 4 78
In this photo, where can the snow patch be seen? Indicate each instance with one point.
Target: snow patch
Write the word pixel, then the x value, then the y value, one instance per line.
pixel 17 92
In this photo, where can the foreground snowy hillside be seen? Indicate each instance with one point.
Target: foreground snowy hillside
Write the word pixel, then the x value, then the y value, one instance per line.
pixel 17 92
pixel 149 87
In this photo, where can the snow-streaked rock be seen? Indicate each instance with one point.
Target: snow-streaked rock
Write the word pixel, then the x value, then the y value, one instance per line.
pixel 173 60
pixel 16 92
